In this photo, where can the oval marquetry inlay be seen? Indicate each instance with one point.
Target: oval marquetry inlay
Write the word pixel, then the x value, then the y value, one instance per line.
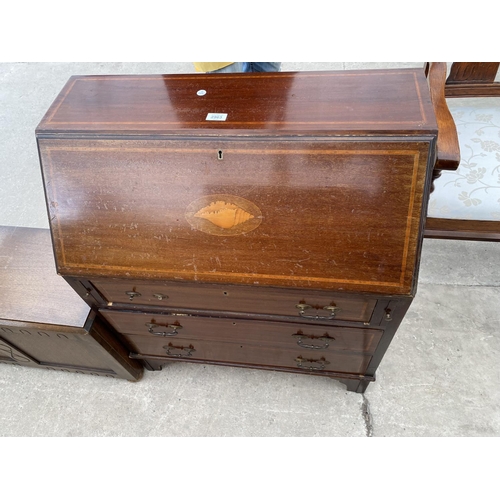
pixel 223 215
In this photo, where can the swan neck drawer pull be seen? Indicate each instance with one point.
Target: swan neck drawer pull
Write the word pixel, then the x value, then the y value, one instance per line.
pixel 311 364
pixel 171 330
pixel 179 351
pixel 308 341
pixel 332 309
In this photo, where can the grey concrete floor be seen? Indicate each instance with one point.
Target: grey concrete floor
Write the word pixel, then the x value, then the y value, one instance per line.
pixel 440 376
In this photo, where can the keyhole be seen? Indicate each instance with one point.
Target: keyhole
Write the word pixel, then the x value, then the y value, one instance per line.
pixel 219 154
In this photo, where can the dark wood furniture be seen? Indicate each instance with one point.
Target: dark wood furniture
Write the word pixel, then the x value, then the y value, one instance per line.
pixel 269 221
pixel 466 79
pixel 43 322
pixel 473 79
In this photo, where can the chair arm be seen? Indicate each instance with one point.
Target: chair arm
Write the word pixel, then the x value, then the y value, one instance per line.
pixel 448 150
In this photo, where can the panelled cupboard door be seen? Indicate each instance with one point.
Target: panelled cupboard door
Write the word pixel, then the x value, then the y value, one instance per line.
pixel 54 347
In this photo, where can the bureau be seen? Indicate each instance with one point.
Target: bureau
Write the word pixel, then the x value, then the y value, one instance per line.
pixel 43 322
pixel 269 221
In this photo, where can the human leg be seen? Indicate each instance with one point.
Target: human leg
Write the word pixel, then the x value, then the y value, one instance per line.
pixel 237 67
pixel 250 67
pixel 261 67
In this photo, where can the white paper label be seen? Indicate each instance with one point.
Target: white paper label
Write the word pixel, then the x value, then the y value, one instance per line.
pixel 218 117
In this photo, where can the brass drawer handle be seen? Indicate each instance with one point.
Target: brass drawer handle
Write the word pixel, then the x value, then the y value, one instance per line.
pixel 334 310
pixel 311 364
pixel 179 352
pixel 324 341
pixel 167 333
pixel 132 295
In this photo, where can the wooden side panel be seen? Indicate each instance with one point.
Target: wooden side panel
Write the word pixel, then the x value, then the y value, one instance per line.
pixel 50 346
pixel 316 214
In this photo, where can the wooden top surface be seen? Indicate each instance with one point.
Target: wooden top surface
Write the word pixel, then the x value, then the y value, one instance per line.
pixel 327 103
pixel 30 289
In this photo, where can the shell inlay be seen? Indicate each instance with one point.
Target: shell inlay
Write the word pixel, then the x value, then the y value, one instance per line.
pixel 223 215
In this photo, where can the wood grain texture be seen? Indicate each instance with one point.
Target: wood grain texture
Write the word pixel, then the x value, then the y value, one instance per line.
pixel 334 213
pixel 92 350
pixel 474 90
pixel 356 382
pixel 234 299
pixel 248 354
pixel 30 289
pixel 473 79
pixel 52 346
pixel 472 72
pixel 460 229
pixel 393 101
pixel 231 330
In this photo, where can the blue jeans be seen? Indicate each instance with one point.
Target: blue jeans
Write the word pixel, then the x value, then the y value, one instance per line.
pixel 249 67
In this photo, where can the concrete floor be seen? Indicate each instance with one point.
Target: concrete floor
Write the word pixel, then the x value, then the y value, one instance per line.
pixel 440 376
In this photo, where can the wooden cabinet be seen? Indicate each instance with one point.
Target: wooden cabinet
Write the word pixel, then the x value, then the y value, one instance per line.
pixel 262 214
pixel 43 322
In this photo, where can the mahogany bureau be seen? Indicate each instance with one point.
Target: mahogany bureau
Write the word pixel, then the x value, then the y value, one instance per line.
pixel 43 322
pixel 269 221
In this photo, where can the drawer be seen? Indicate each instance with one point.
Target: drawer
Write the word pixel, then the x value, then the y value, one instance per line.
pixel 304 337
pixel 233 298
pixel 248 354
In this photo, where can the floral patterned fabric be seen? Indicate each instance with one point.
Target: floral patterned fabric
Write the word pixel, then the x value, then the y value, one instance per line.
pixel 473 190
